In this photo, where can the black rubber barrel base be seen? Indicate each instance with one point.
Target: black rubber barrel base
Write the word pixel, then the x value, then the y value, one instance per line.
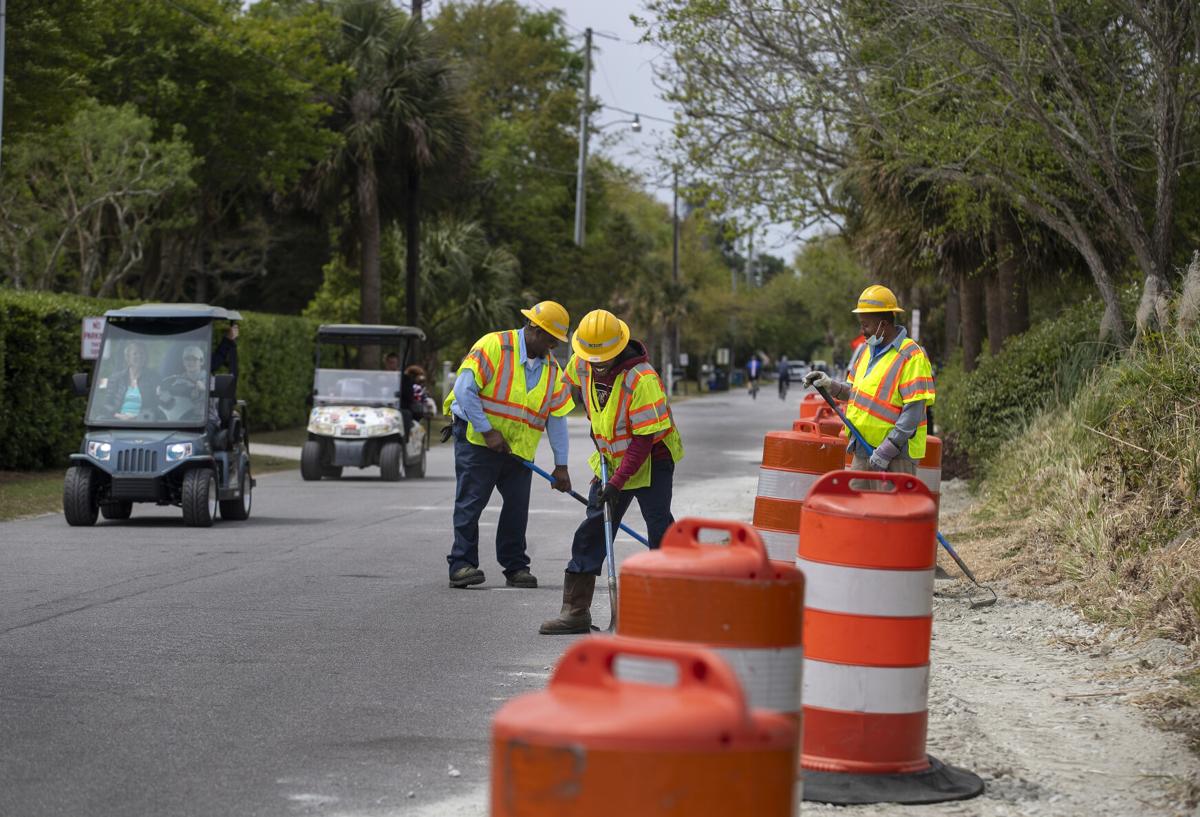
pixel 937 784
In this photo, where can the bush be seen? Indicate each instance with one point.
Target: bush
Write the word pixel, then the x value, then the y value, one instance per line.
pixel 1045 366
pixel 41 421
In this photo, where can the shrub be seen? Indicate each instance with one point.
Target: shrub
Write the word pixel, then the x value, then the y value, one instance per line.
pixel 1045 366
pixel 41 421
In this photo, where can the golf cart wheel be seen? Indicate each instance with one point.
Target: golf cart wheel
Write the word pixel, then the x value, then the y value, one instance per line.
pixel 79 496
pixel 310 461
pixel 331 471
pixel 118 509
pixel 391 457
pixel 415 469
pixel 199 498
pixel 238 509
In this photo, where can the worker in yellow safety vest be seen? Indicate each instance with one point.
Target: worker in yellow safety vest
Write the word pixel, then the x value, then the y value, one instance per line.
pixel 508 391
pixel 635 433
pixel 888 387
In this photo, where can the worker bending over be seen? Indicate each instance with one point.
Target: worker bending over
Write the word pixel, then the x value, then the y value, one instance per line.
pixel 635 432
pixel 509 390
pixel 889 385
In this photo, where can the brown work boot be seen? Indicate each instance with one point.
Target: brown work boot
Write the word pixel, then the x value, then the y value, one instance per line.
pixel 576 615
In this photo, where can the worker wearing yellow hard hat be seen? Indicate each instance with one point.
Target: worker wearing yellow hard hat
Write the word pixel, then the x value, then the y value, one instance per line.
pixel 508 392
pixel 635 434
pixel 888 387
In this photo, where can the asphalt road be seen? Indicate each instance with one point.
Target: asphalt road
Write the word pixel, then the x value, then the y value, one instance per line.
pixel 309 661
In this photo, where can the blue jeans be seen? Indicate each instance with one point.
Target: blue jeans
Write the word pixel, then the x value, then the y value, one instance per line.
pixel 588 551
pixel 478 470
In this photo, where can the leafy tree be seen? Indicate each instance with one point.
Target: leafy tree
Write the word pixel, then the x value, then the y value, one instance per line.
pixel 79 201
pixel 397 105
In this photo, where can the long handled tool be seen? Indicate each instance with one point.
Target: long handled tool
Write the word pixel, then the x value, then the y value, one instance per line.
pixel 578 497
pixel 866 446
pixel 610 554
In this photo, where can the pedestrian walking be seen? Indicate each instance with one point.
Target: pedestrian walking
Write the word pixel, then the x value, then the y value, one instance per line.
pixel 509 390
pixel 785 377
pixel 636 435
pixel 889 387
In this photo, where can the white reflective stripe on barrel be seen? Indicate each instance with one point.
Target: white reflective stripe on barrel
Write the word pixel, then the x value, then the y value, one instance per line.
pixel 770 677
pixel 932 477
pixel 865 592
pixel 779 484
pixel 780 545
pixel 876 690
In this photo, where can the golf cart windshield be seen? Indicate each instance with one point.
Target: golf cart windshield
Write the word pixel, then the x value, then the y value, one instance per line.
pixel 360 387
pixel 152 373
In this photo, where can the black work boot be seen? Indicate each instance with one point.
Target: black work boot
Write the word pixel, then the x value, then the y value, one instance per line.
pixel 466 576
pixel 576 615
pixel 520 578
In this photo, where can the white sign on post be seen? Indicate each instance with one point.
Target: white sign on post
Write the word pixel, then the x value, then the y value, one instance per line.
pixel 89 346
pixel 683 359
pixel 916 325
pixel 723 356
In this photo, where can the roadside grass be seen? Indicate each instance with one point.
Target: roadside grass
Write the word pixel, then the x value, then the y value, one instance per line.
pixel 283 436
pixel 30 493
pixel 1097 505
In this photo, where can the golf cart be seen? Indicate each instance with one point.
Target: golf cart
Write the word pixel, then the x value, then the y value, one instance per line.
pixel 153 434
pixel 363 414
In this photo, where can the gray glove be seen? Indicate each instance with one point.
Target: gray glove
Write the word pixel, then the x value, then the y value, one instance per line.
pixel 818 379
pixel 884 454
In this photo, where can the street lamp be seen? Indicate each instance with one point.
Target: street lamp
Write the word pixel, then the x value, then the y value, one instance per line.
pixel 635 125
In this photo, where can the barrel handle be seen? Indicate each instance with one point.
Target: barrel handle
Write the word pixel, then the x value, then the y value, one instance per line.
pixel 685 535
pixel 591 662
pixel 838 482
pixel 805 427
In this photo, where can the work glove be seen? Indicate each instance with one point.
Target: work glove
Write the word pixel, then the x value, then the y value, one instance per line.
pixel 446 432
pixel 818 380
pixel 884 454
pixel 607 493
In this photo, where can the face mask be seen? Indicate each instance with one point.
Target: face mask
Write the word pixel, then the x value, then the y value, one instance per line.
pixel 877 338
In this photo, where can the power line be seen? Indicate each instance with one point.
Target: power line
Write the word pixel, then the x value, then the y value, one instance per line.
pixel 637 113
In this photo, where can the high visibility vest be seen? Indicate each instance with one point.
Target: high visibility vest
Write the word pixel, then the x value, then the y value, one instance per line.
pixel 517 413
pixel 576 370
pixel 637 405
pixel 877 397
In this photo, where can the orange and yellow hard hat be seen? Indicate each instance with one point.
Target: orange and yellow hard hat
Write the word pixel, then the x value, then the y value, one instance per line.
pixel 551 316
pixel 877 298
pixel 601 336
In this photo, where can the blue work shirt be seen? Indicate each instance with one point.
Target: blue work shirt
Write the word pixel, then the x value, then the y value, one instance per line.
pixel 467 405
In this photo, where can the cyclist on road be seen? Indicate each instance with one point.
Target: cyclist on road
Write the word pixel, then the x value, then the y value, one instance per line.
pixel 785 378
pixel 753 370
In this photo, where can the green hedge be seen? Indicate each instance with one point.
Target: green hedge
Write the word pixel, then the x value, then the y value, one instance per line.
pixel 1046 365
pixel 41 421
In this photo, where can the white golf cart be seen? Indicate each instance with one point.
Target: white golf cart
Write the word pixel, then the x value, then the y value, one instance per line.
pixel 363 413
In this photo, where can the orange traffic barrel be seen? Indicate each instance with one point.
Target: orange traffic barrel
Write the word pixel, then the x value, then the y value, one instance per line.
pixel 633 726
pixel 729 597
pixel 809 404
pixel 868 562
pixel 929 469
pixel 792 461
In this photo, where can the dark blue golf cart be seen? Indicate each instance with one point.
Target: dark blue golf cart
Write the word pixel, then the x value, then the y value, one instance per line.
pixel 161 427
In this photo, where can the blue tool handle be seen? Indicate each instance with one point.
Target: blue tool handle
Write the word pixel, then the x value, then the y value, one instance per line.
pixel 576 495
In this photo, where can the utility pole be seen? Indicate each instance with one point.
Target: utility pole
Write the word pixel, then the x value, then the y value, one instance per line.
pixel 580 191
pixel 750 282
pixel 674 324
pixel 3 17
pixel 412 227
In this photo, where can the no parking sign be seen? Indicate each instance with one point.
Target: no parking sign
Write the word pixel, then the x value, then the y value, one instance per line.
pixel 89 346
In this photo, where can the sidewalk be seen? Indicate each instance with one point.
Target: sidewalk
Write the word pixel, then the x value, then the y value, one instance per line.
pixel 283 452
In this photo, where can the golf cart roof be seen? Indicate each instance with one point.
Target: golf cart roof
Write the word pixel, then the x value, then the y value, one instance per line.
pixel 359 333
pixel 149 311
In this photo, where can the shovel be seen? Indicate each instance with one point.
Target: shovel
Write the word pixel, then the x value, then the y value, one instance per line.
pixel 941 539
pixel 578 497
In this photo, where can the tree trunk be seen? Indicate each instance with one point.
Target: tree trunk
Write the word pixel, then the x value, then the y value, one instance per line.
pixel 412 255
pixel 367 200
pixel 993 298
pixel 953 332
pixel 1014 295
pixel 970 291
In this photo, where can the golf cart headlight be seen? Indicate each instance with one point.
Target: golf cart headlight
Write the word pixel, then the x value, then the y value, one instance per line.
pixel 178 451
pixel 100 451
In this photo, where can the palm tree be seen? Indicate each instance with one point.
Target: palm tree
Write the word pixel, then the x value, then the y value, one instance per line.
pixel 397 108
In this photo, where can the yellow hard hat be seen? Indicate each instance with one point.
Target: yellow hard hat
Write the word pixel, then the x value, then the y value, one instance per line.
pixel 601 336
pixel 551 316
pixel 877 298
